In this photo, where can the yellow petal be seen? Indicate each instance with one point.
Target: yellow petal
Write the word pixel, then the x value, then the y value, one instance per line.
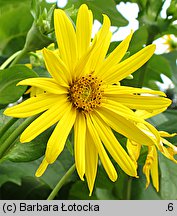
pixel 107 164
pixel 103 38
pixel 151 167
pixel 81 68
pixel 32 106
pixel 79 144
pixel 116 55
pixel 91 162
pixel 170 151
pixel 151 131
pixel 45 121
pixel 166 134
pixel 66 38
pixel 83 29
pixel 115 91
pixel 130 65
pixel 121 110
pixel 56 67
pixel 133 149
pixel 142 102
pixel 124 127
pixel 99 54
pixel 59 136
pixel 145 114
pixel 154 170
pixel 42 168
pixel 113 146
pixel 47 84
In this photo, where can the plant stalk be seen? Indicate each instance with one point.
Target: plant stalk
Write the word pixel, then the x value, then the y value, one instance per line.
pixel 7 126
pixel 22 53
pixel 61 182
pixel 9 141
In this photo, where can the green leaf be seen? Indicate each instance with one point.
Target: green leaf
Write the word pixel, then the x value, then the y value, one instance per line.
pixel 138 40
pixel 30 189
pixel 139 192
pixel 171 57
pixel 168 183
pixel 13 28
pixel 166 121
pixel 100 7
pixel 9 92
pixel 24 152
pixel 79 191
pixel 15 172
pixel 158 65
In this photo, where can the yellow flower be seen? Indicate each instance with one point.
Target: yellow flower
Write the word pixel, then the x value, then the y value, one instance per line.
pixel 151 164
pixel 81 94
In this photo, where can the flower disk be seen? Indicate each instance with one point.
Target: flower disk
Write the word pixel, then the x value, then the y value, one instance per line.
pixel 86 93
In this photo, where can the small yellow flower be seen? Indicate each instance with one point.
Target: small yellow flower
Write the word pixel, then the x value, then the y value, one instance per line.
pixel 151 164
pixel 81 94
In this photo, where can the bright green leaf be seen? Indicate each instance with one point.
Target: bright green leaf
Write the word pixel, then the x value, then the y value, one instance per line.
pixel 15 21
pixel 9 92
pixel 168 188
pixel 24 152
pixel 15 172
pixel 100 7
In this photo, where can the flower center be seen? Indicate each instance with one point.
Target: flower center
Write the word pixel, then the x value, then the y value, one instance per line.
pixel 86 93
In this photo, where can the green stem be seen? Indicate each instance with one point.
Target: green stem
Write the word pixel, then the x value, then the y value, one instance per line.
pixel 8 61
pixel 159 10
pixel 22 53
pixel 61 182
pixel 129 187
pixel 9 141
pixel 7 126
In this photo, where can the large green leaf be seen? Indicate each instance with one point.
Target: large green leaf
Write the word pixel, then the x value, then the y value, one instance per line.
pixel 9 92
pixel 15 172
pixel 24 152
pixel 171 57
pixel 139 39
pixel 100 7
pixel 166 121
pixel 139 192
pixel 168 179
pixel 158 65
pixel 30 189
pixel 15 21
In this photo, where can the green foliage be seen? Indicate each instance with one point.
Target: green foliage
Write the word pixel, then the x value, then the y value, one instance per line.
pixel 168 188
pixel 100 7
pixel 15 21
pixel 8 80
pixel 16 172
pixel 29 151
